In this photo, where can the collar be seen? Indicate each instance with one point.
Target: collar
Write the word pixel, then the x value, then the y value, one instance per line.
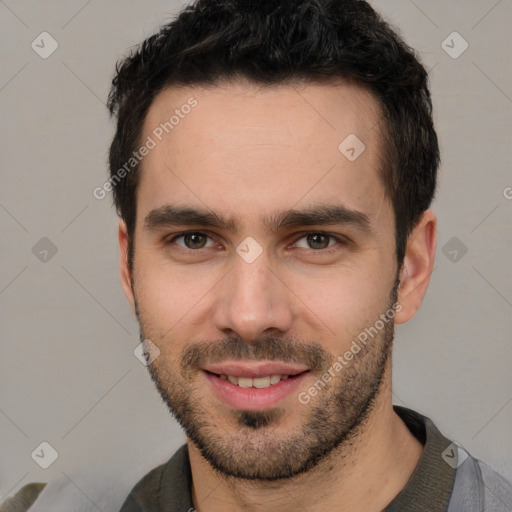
pixel 429 489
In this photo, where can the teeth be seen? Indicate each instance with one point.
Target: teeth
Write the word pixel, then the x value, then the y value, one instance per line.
pixel 257 382
pixel 260 382
pixel 244 382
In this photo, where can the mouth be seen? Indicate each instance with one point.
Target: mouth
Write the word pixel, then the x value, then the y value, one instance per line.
pixel 254 387
pixel 256 382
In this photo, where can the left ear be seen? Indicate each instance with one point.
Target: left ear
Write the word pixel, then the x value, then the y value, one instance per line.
pixel 417 266
pixel 124 267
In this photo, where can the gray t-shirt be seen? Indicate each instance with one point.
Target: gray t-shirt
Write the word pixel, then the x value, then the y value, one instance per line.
pixel 446 479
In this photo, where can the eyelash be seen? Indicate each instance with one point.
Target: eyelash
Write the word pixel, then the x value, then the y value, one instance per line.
pixel 327 250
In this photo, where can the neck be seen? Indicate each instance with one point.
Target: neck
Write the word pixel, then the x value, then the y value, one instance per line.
pixel 363 474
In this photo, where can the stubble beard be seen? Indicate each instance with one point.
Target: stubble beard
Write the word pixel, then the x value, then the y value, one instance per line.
pixel 252 446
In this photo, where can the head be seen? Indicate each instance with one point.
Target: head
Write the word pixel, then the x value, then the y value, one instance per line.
pixel 279 162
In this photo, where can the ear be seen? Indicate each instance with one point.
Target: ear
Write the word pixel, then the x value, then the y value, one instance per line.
pixel 124 267
pixel 417 266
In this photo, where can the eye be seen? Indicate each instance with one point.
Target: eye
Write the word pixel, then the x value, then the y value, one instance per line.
pixel 318 241
pixel 192 240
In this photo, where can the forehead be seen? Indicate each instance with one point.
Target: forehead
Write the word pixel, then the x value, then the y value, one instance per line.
pixel 245 148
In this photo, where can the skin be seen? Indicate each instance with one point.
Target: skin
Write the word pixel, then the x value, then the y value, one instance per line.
pixel 246 153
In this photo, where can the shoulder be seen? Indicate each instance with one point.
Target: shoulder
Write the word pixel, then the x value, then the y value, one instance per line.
pixel 145 493
pixel 469 485
pixel 168 481
pixel 478 487
pixel 497 490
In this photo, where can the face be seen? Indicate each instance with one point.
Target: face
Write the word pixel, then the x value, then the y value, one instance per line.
pixel 262 252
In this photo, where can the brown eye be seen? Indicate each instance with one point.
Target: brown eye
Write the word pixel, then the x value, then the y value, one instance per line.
pixel 318 240
pixel 319 243
pixel 192 240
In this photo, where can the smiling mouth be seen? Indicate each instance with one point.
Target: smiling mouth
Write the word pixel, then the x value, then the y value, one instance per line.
pixel 262 382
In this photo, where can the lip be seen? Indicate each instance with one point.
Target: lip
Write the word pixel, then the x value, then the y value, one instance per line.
pixel 254 369
pixel 254 399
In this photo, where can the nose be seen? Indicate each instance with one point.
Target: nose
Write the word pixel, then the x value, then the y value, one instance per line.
pixel 252 300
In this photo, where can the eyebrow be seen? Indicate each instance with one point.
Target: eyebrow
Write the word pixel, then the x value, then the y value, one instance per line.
pixel 173 216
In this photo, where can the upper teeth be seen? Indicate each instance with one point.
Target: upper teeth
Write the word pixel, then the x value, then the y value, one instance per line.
pixel 257 382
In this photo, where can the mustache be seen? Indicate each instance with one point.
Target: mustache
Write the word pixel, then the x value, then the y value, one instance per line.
pixel 271 348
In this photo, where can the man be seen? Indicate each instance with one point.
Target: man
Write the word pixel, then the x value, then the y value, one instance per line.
pixel 273 168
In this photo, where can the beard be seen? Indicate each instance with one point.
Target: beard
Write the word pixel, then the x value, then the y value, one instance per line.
pixel 255 445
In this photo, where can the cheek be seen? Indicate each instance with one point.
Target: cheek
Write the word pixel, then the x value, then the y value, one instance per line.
pixel 169 298
pixel 164 308
pixel 161 295
pixel 346 301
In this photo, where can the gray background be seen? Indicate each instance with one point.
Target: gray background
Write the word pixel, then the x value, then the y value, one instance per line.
pixel 68 374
